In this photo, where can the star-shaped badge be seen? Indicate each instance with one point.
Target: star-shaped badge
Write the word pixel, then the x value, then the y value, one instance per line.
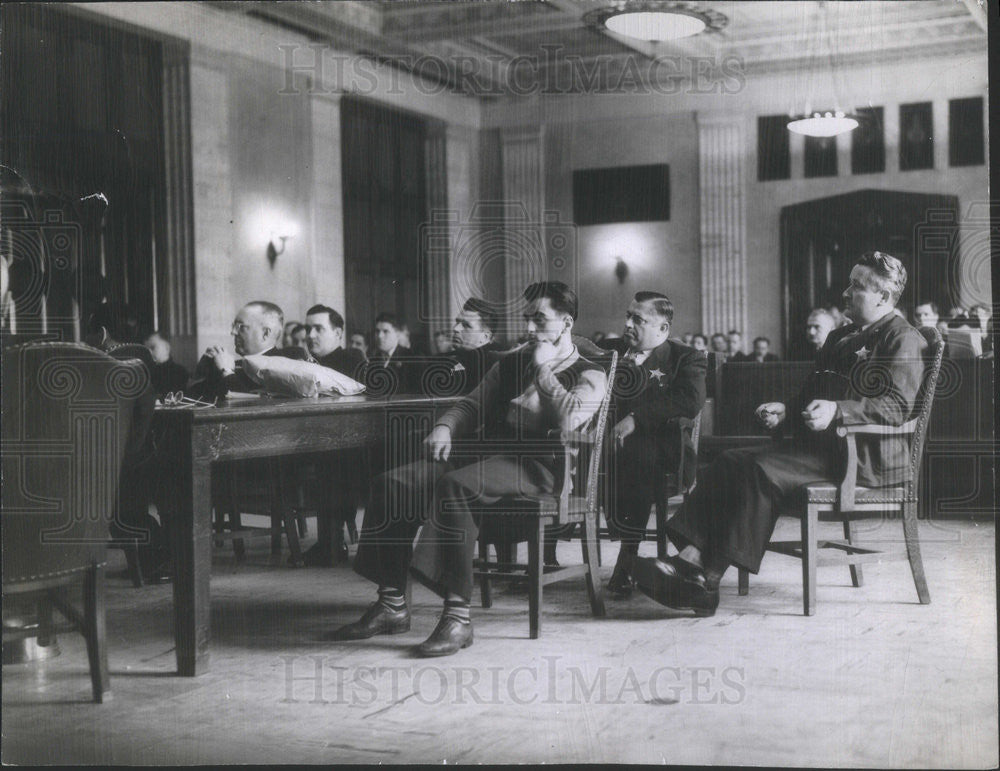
pixel 862 353
pixel 458 367
pixel 656 373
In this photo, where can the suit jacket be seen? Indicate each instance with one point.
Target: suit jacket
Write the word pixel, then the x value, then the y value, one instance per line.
pixel 347 361
pixel 874 375
pixel 169 376
pixel 459 371
pixel 669 384
pixel 399 375
pixel 210 384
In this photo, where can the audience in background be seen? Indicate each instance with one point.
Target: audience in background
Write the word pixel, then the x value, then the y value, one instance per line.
pixel 167 374
pixel 819 324
pixel 288 333
pixel 687 338
pixel 393 368
pixel 926 314
pixel 699 342
pixel 760 351
pixel 299 335
pixel 719 343
pixel 443 343
pixel 734 341
pixel 359 342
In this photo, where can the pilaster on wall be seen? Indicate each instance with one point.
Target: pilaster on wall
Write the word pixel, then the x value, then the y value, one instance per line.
pixel 327 253
pixel 524 260
pixel 723 189
pixel 436 305
pixel 213 194
pixel 463 266
pixel 175 297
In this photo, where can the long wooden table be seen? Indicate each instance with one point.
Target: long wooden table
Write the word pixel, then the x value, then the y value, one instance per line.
pixel 192 440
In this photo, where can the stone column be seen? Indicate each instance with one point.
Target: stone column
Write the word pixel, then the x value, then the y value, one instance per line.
pixel 176 306
pixel 522 194
pixel 327 268
pixel 723 187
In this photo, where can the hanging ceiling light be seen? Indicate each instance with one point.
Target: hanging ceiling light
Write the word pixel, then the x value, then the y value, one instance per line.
pixel 826 123
pixel 656 20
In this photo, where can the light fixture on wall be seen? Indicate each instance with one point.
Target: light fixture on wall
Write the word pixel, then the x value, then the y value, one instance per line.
pixel 273 252
pixel 656 20
pixel 821 123
pixel 621 270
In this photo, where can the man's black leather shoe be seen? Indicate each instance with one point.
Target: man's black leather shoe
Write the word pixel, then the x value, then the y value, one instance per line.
pixel 448 637
pixel 621 582
pixel 675 584
pixel 378 619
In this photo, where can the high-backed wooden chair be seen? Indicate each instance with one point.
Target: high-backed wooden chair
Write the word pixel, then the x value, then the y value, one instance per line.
pixel 575 502
pixel 67 412
pixel 845 502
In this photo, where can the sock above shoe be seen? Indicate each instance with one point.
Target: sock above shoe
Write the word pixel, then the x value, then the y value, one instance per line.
pixel 458 610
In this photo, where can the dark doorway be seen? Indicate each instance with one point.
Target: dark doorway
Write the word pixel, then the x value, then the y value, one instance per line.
pixel 820 240
pixel 83 148
pixel 385 205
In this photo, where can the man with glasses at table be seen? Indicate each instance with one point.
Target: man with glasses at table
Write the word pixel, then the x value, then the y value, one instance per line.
pixel 257 329
pixel 867 373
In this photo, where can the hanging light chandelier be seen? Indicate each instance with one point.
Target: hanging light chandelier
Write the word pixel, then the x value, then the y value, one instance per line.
pixel 822 123
pixel 656 21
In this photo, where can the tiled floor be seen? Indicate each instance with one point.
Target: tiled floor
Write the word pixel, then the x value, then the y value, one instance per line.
pixel 874 679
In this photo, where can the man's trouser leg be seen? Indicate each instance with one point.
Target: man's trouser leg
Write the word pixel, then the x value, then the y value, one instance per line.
pixel 401 500
pixel 732 511
pixel 442 558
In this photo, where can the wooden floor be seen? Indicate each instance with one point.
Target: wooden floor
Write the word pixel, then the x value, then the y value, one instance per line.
pixel 873 680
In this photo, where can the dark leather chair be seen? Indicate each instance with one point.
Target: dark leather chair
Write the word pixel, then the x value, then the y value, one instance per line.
pixel 67 415
pixel 843 501
pixel 575 503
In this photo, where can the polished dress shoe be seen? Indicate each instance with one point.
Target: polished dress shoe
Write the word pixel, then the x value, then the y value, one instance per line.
pixel 448 637
pixel 620 584
pixel 378 619
pixel 676 584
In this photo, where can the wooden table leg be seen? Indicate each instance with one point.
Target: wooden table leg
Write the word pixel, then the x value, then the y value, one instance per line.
pixel 192 552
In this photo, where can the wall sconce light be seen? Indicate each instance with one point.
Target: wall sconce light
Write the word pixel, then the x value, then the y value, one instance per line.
pixel 621 270
pixel 272 252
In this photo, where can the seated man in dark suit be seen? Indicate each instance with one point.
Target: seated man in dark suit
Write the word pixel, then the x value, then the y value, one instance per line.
pixel 660 380
pixel 472 353
pixel 868 372
pixel 325 340
pixel 257 329
pixel 760 351
pixel 168 375
pixel 538 387
pixel 340 487
pixel 392 367
pixel 734 345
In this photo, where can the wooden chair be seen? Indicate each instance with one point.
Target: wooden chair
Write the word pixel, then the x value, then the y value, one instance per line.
pixel 846 502
pixel 67 413
pixel 255 486
pixel 575 502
